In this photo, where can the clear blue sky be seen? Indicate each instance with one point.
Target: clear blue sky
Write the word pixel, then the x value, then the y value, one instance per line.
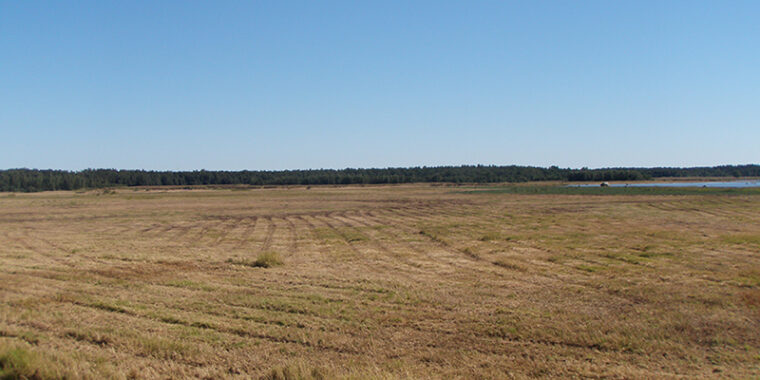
pixel 321 84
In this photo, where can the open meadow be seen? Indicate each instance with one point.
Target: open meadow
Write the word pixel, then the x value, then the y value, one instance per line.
pixel 380 282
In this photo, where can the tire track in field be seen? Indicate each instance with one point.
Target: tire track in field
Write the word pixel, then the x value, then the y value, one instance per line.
pixel 271 227
pixel 437 212
pixel 328 220
pixel 293 248
pixel 205 226
pixel 160 231
pixel 386 253
pixel 283 237
pixel 268 317
pixel 176 231
pixel 435 209
pixel 376 241
pixel 220 329
pixel 732 207
pixel 151 227
pixel 182 231
pixel 309 225
pixel 666 205
pixel 400 222
pixel 425 216
pixel 664 208
pixel 102 343
pixel 226 228
pixel 324 249
pixel 341 286
pixel 394 223
pixel 22 241
pixel 686 207
pixel 121 228
pixel 112 228
pixel 411 212
pixel 57 248
pixel 492 270
pixel 237 232
pixel 337 231
pixel 194 231
pixel 286 293
pixel 250 227
pixel 446 245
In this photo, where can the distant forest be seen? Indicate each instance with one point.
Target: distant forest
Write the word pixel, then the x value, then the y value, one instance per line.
pixel 29 180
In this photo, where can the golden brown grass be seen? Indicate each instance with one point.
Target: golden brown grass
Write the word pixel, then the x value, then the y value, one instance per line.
pixel 395 282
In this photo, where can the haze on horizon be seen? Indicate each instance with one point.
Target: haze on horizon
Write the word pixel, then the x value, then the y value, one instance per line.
pixel 298 85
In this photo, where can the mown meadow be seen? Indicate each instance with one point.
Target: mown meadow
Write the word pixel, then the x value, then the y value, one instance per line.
pixel 380 282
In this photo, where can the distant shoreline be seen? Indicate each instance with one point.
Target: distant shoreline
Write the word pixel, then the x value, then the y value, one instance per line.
pixel 34 180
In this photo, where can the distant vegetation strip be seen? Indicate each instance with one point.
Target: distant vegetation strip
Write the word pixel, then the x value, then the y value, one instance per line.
pixel 566 190
pixel 29 180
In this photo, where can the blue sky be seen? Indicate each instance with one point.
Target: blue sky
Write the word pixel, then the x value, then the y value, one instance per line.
pixel 178 85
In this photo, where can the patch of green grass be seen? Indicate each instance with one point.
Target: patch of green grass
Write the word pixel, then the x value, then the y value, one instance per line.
pixel 470 252
pixel 20 363
pixel 266 259
pixel 295 372
pixel 567 190
pixel 507 264
pixel 108 307
pixel 14 363
pixel 626 258
pixel 353 236
pixel 503 328
pixel 327 234
pixel 749 278
pixel 589 268
pixel 30 337
pixel 650 254
pixel 489 236
pixel 163 348
pixel 300 370
pixel 748 239
pixel 187 284
pixel 89 336
pixel 435 233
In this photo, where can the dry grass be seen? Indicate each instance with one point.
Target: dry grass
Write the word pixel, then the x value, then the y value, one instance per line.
pixel 395 282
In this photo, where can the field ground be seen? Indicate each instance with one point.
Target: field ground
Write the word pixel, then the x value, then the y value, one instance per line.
pixel 386 282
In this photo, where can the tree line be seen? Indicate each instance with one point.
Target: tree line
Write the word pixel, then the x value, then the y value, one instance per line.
pixel 30 180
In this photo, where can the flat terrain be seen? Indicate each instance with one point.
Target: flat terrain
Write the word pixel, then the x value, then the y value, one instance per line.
pixel 380 282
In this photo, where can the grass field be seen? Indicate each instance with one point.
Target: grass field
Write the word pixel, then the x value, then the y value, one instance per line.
pixel 389 282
